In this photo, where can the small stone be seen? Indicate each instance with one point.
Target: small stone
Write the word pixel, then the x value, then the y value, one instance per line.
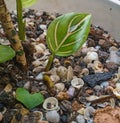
pixel 97 88
pixel 104 84
pixel 64 118
pixel 91 56
pixel 111 66
pixel 80 119
pixel 113 55
pixel 27 85
pixel 43 27
pixel 97 78
pixel 66 106
pixel 76 106
pixel 1 116
pixel 63 96
pixel 53 116
pixel 39 76
pixel 89 91
pixel 60 86
pixel 71 91
pixel 8 88
pixel 118 85
pixel 41 121
pixel 73 122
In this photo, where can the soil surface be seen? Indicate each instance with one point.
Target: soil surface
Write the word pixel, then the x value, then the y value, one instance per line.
pixel 96 64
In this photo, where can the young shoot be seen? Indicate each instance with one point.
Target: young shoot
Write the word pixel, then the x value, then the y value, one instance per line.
pixel 66 34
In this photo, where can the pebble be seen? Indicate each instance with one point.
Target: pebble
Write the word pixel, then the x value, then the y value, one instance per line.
pixel 89 111
pixel 113 55
pixel 39 76
pixel 117 85
pixel 60 86
pixel 97 78
pixel 27 85
pixel 64 118
pixel 97 88
pixel 77 83
pixel 43 27
pixel 1 116
pixel 71 91
pixel 50 103
pixel 91 56
pixel 80 119
pixel 104 84
pixel 53 116
pixel 73 122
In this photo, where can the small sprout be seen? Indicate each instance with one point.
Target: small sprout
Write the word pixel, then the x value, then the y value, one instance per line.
pixel 66 34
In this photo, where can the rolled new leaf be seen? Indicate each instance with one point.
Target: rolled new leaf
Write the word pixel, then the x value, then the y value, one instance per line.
pixel 67 33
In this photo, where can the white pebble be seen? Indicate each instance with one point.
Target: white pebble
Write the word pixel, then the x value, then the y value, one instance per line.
pixel 42 26
pixel 91 56
pixel 113 55
pixel 39 76
pixel 104 84
pixel 80 119
pixel 27 85
pixel 118 85
pixel 53 116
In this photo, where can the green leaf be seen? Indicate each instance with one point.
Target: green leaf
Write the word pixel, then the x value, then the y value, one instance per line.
pixel 6 53
pixel 28 3
pixel 67 33
pixel 29 100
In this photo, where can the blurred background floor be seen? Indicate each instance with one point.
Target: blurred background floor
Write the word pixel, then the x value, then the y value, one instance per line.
pixel 104 12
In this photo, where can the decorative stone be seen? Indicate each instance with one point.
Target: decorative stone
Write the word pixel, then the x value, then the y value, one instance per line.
pixel 80 119
pixel 97 78
pixel 77 83
pixel 53 116
pixel 50 103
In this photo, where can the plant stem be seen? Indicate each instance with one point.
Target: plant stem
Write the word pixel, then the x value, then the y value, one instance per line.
pixel 21 24
pixel 11 34
pixel 50 61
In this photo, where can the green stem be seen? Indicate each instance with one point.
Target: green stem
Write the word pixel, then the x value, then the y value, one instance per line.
pixel 21 24
pixel 50 61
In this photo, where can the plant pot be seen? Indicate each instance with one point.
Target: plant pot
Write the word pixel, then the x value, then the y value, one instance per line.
pixel 104 13
pixel 102 72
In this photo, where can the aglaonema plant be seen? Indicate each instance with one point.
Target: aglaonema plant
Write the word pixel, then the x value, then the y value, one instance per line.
pixel 67 34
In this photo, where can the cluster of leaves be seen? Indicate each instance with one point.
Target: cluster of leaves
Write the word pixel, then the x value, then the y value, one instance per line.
pixel 65 35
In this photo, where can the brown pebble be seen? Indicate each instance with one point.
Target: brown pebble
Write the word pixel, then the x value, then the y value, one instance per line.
pixel 76 106
pixel 40 121
pixel 63 96
pixel 111 66
pixel 107 115
pixel 89 91
pixel 1 116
